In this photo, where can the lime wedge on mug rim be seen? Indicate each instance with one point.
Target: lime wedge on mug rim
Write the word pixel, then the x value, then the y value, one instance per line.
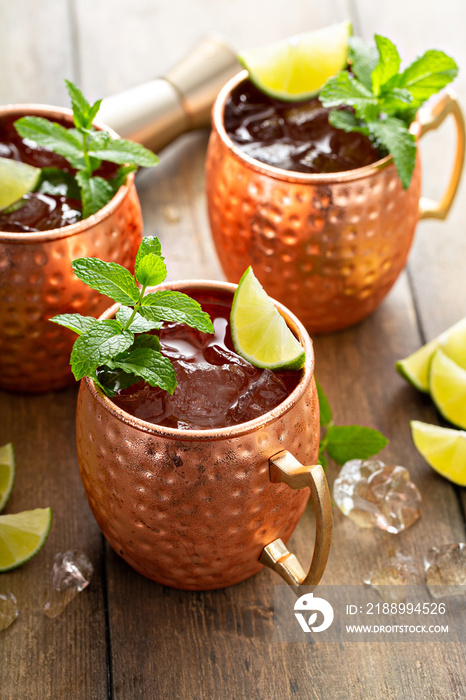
pixel 22 535
pixel 16 180
pixel 7 473
pixel 259 333
pixel 416 367
pixel 297 67
pixel 443 448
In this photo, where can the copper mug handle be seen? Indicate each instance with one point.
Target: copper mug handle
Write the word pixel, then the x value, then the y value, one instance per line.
pixel 431 118
pixel 284 468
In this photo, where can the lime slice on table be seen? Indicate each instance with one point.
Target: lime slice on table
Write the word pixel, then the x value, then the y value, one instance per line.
pixel 297 67
pixel 7 473
pixel 16 180
pixel 447 383
pixel 260 335
pixel 22 535
pixel 416 367
pixel 443 448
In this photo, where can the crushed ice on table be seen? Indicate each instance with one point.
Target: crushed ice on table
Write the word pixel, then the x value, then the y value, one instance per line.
pixel 71 573
pixel 445 569
pixel 8 610
pixel 374 494
pixel 266 393
pixel 391 580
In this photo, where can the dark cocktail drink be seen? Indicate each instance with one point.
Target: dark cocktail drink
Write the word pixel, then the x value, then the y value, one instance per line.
pixel 36 211
pixel 216 387
pixel 292 136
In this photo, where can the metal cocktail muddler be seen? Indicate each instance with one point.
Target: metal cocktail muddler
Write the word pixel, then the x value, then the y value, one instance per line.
pixel 155 113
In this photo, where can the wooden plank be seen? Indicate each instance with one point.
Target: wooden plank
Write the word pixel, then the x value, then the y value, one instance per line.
pixel 436 262
pixel 36 52
pixel 121 46
pixel 173 206
pixel 42 657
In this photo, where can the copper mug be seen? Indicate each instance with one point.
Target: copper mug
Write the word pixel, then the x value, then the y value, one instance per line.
pixel 329 246
pixel 204 509
pixel 37 281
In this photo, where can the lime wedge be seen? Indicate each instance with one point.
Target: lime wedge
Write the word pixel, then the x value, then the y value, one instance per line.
pixel 259 333
pixel 16 180
pixel 296 68
pixel 7 473
pixel 22 535
pixel 443 448
pixel 416 367
pixel 448 388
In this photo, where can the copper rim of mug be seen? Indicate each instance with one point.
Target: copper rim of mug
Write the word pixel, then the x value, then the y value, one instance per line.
pixel 229 431
pixel 279 173
pixel 72 229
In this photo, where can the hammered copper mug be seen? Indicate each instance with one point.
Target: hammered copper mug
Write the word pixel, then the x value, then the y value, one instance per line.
pixel 329 246
pixel 204 509
pixel 37 281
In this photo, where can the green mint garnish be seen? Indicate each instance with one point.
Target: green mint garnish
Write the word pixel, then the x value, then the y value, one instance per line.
pixel 384 99
pixel 85 149
pixel 344 442
pixel 111 346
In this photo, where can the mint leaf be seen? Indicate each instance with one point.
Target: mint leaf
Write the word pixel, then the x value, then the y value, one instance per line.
pixel 175 306
pixel 58 182
pixel 347 121
pixel 97 345
pixel 95 193
pixel 149 244
pixel 388 64
pixel 108 278
pixel 150 270
pixel 108 351
pixel 75 322
pixel 427 75
pixel 394 135
pixel 322 458
pixel 139 324
pixel 384 100
pixel 397 100
pixel 151 366
pixel 324 406
pixel 113 380
pixel 84 148
pixel 83 113
pixel 343 89
pixel 122 151
pixel 121 176
pixel 353 442
pixel 49 135
pixel 363 58
pixel 146 340
pixel 97 140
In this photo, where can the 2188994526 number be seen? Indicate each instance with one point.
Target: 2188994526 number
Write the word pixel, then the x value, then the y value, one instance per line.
pixel 405 608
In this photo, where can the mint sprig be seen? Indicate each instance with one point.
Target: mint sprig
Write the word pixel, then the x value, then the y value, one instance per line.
pixel 385 100
pixel 112 346
pixel 344 442
pixel 85 148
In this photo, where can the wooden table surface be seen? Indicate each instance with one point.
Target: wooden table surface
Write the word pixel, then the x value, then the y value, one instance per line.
pixel 126 637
